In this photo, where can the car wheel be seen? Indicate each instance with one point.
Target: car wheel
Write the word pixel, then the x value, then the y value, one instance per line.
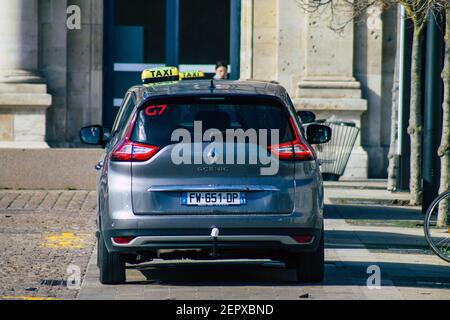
pixel 310 265
pixel 112 265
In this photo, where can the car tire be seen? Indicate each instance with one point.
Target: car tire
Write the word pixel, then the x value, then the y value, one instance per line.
pixel 111 265
pixel 310 266
pixel 99 257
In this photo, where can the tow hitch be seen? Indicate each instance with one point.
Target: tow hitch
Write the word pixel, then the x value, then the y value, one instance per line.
pixel 214 235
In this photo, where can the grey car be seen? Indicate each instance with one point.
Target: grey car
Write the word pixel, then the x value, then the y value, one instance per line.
pixel 160 197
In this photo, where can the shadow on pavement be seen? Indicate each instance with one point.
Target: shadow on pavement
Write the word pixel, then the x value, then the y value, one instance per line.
pixel 354 212
pixel 374 240
pixel 406 274
pixel 218 273
pixel 338 273
pixel 247 273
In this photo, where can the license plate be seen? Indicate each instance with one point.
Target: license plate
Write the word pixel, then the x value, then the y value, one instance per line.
pixel 213 199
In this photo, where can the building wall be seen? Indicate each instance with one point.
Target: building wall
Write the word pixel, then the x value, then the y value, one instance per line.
pixel 53 63
pixel 344 71
pixel 265 38
pixel 374 67
pixel 71 62
pixel 272 36
pixel 278 42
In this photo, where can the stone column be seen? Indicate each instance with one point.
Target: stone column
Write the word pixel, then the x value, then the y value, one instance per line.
pixel 264 40
pixel 23 93
pixel 374 68
pixel 246 39
pixel 328 87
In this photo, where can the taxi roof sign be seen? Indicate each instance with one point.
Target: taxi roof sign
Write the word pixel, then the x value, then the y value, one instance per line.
pixel 190 75
pixel 161 74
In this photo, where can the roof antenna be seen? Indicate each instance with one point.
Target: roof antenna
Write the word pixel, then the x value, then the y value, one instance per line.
pixel 212 86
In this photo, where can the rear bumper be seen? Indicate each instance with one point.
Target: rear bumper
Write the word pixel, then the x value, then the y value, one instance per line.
pixel 149 241
pixel 269 240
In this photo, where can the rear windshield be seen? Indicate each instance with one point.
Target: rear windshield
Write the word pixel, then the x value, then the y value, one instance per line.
pixel 156 123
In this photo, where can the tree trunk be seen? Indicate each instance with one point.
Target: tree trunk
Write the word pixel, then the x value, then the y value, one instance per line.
pixel 392 156
pixel 415 117
pixel 444 148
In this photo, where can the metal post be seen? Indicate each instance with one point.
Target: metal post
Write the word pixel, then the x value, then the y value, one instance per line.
pixel 235 38
pixel 432 112
pixel 172 32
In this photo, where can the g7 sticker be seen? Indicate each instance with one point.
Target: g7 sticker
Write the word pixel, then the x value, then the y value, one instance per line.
pixel 153 111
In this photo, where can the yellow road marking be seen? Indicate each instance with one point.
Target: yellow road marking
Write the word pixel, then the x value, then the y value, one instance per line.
pixel 26 298
pixel 64 240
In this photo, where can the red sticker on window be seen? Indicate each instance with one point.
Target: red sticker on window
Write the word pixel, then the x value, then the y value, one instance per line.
pixel 158 110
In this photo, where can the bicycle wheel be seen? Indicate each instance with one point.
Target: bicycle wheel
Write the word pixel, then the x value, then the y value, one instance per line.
pixel 437 229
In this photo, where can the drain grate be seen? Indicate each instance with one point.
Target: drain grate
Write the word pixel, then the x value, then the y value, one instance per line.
pixel 53 282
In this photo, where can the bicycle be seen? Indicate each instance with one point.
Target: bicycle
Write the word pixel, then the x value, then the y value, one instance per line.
pixel 437 228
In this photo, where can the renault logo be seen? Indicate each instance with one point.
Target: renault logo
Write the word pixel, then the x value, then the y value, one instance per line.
pixel 213 156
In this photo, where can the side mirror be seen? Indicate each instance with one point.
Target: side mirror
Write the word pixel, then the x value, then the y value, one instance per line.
pixel 317 133
pixel 92 135
pixel 306 116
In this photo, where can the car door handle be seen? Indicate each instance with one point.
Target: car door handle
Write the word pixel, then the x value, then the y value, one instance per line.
pixel 99 165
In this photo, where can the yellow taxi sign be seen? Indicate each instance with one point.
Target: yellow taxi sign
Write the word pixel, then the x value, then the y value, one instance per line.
pixel 161 74
pixel 190 75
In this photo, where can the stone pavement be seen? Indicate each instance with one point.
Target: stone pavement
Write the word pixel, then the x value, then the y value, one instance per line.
pixel 41 234
pixel 406 273
pixel 402 254
pixel 364 192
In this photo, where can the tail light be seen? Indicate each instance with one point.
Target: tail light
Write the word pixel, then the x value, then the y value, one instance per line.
pixel 303 238
pixel 293 150
pixel 128 150
pixel 133 151
pixel 122 240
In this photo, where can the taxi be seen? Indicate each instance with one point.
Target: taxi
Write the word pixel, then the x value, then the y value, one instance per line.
pixel 192 75
pixel 206 169
pixel 160 75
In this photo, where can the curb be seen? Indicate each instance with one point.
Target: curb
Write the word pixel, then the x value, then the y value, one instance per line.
pixel 377 202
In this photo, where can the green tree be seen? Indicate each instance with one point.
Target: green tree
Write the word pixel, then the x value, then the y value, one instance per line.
pixel 417 11
pixel 444 148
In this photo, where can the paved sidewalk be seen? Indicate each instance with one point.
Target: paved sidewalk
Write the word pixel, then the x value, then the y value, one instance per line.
pixel 238 279
pixel 41 234
pixel 405 274
pixel 364 194
pixel 373 184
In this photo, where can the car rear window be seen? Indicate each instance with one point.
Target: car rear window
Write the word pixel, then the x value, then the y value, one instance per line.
pixel 155 123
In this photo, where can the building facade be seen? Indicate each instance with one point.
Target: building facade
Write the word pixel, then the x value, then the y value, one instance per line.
pixel 55 79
